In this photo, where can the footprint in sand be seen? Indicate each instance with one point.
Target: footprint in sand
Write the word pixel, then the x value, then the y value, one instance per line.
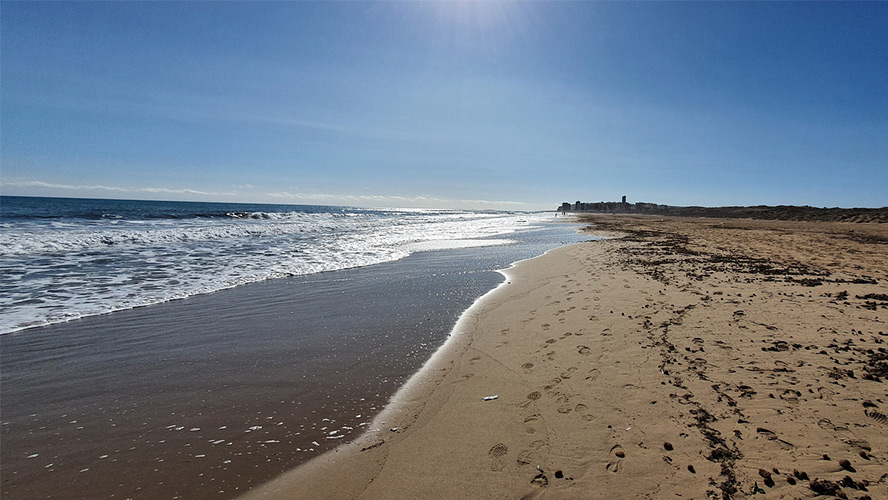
pixel 526 367
pixel 535 395
pixel 593 374
pixel 497 455
pixel 617 454
pixel 772 436
pixel 876 415
pixel 568 373
pixel 545 326
pixel 530 424
pixel 583 411
pixel 585 351
pixel 790 396
pixel 525 457
pixel 827 424
pixel 474 360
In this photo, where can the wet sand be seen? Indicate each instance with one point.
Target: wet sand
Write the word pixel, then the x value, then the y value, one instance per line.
pixel 689 358
pixel 208 396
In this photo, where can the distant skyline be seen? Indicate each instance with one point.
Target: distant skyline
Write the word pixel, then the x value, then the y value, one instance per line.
pixel 447 104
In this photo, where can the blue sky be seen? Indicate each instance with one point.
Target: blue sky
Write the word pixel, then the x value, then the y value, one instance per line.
pixel 512 105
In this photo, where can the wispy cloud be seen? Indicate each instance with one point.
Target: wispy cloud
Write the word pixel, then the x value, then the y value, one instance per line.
pixel 116 189
pixel 294 195
pixel 396 200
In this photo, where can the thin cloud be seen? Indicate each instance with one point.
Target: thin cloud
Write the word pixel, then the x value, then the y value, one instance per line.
pixel 368 200
pixel 393 200
pixel 117 189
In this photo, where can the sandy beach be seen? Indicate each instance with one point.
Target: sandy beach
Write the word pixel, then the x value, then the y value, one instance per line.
pixel 681 358
pixel 210 396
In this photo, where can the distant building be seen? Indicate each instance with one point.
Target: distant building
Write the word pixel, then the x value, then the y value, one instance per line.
pixel 621 206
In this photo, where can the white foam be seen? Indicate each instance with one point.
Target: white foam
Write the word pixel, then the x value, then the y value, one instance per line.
pixel 53 272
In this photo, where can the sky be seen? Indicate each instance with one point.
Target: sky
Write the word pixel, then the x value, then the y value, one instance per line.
pixel 447 104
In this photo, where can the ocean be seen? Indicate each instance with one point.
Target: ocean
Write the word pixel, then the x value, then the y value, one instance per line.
pixel 295 327
pixel 62 259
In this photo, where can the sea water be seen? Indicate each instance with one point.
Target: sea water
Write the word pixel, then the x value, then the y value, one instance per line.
pixel 209 396
pixel 62 258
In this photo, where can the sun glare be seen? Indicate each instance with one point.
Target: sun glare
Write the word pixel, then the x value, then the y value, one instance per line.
pixel 483 24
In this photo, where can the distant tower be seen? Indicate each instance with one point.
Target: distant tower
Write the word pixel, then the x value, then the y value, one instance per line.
pixel 624 199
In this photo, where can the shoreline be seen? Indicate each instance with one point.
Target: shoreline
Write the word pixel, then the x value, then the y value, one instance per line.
pixel 210 396
pixel 404 408
pixel 686 358
pixel 424 246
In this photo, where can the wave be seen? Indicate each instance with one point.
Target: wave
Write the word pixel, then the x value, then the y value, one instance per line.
pixel 59 270
pixel 70 237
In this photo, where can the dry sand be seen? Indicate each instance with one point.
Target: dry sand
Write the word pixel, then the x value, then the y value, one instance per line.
pixel 689 358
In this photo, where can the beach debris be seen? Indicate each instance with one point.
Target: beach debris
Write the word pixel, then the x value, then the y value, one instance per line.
pixel 824 487
pixel 394 429
pixel 540 479
pixel 668 446
pixel 766 476
pixel 490 398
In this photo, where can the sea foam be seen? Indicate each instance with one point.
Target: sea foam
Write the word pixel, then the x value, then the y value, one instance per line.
pixel 57 269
